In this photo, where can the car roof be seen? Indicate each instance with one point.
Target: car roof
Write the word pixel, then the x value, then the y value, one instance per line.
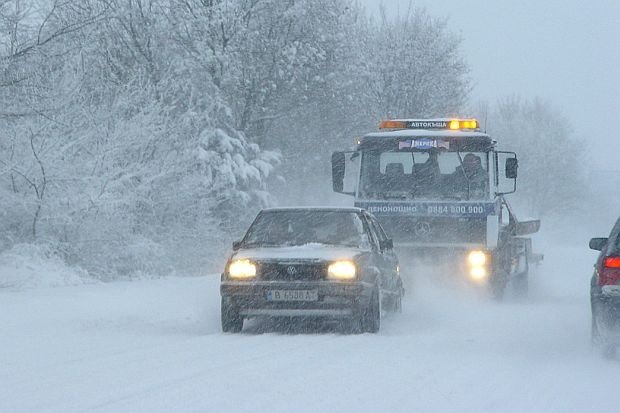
pixel 314 209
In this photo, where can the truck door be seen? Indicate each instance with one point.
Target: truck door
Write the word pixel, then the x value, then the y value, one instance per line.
pixel 345 171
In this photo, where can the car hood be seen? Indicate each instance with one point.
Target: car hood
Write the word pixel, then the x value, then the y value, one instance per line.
pixel 309 252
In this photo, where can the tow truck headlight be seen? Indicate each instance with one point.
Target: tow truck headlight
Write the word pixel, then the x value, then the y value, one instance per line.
pixel 242 269
pixel 477 261
pixel 341 270
pixel 478 273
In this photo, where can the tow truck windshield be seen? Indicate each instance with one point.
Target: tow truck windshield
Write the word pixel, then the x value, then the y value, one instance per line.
pixel 431 174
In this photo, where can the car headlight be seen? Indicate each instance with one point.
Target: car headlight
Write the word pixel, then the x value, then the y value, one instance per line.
pixel 242 269
pixel 341 270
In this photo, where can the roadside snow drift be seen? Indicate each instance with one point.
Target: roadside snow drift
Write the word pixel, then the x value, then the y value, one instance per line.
pixel 30 266
pixel 156 346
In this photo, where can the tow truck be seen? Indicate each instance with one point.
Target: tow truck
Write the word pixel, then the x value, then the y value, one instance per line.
pixel 438 187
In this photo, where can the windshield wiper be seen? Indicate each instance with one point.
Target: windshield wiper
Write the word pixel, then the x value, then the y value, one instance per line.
pixel 261 244
pixel 391 195
pixel 397 195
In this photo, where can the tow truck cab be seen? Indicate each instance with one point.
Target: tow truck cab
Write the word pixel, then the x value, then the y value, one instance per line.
pixel 439 185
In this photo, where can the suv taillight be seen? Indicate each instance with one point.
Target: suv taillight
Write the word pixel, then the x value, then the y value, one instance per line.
pixel 610 271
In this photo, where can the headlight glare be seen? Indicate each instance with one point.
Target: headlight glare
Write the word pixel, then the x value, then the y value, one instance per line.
pixel 478 263
pixel 341 270
pixel 478 273
pixel 242 269
pixel 477 259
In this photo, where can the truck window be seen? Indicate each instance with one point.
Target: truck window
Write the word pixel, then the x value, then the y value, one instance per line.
pixel 425 174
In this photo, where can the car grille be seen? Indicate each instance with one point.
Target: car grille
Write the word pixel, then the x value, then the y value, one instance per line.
pixel 291 271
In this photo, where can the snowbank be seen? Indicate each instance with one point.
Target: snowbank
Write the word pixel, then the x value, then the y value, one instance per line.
pixel 32 266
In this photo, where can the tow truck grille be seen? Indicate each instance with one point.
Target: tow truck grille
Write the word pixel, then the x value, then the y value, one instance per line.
pixel 434 230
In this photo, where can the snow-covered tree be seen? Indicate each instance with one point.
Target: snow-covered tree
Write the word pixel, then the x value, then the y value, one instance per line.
pixel 140 134
pixel 140 153
pixel 416 68
pixel 552 163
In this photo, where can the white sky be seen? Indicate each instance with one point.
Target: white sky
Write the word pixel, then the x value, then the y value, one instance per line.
pixel 566 51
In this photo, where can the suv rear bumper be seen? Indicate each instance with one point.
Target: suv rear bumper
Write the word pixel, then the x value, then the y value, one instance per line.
pixel 606 313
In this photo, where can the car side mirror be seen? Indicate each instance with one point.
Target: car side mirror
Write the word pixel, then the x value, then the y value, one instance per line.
pixel 387 244
pixel 236 245
pixel 598 243
pixel 512 164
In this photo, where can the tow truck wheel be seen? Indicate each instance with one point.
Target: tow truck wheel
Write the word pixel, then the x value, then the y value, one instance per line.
pixel 499 276
pixel 497 293
pixel 497 288
pixel 232 321
pixel 520 285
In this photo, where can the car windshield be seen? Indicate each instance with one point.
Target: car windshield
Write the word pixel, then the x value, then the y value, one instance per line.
pixel 429 174
pixel 301 227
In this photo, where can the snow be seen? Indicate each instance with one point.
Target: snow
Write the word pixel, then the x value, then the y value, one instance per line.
pixel 31 266
pixel 156 345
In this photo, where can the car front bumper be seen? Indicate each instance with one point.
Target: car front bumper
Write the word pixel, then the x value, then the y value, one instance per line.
pixel 334 299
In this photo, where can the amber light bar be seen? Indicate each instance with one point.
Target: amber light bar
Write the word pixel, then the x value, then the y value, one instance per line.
pixel 451 124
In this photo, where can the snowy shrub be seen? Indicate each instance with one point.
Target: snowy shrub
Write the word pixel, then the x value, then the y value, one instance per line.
pixel 30 266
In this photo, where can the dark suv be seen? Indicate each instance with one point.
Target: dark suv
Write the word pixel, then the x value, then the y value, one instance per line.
pixel 334 263
pixel 605 290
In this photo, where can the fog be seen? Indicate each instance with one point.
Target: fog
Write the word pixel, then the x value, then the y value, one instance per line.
pixel 138 140
pixel 563 51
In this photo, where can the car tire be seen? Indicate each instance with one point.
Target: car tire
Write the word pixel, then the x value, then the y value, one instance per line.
pixel 595 335
pixel 232 321
pixel 371 317
pixel 595 328
pixel 397 303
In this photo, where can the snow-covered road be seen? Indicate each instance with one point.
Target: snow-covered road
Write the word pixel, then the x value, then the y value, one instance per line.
pixel 157 346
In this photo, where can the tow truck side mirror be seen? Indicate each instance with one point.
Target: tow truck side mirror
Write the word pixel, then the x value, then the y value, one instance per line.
pixel 387 244
pixel 338 167
pixel 512 164
pixel 598 243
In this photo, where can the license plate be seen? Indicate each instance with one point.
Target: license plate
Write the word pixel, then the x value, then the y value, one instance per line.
pixel 292 295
